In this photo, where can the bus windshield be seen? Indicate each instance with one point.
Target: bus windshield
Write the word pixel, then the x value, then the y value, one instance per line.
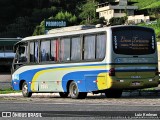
pixel 133 40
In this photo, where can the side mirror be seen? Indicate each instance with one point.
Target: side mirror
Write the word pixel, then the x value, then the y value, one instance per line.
pixel 21 49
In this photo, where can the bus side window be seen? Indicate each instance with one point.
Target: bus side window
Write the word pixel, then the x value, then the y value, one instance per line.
pixel 31 51
pixel 101 46
pixel 65 49
pixel 23 54
pixel 45 50
pixel 89 47
pixel 76 48
pixel 36 51
pixel 54 50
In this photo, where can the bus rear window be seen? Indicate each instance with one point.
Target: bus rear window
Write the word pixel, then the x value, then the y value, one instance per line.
pixel 133 40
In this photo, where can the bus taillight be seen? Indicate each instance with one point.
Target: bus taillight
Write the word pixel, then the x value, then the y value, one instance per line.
pixel 112 72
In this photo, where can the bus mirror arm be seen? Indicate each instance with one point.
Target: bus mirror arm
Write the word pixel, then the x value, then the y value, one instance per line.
pixel 17 64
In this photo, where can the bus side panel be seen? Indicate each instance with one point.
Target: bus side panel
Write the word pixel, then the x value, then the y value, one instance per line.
pixel 104 81
pixel 49 80
pixel 84 79
pixel 26 76
pixel 56 79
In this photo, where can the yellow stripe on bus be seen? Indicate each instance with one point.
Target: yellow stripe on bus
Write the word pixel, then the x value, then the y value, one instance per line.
pixel 38 74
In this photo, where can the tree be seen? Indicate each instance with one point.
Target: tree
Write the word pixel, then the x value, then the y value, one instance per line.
pixel 71 20
pixel 88 14
pixel 102 21
pixel 40 29
pixel 117 21
pixel 22 27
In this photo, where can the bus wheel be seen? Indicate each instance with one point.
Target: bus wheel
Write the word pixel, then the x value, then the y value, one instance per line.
pixel 113 93
pixel 74 92
pixel 25 90
pixel 63 94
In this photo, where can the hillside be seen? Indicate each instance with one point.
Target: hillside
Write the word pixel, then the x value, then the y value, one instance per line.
pixel 145 4
pixel 151 8
pixel 21 18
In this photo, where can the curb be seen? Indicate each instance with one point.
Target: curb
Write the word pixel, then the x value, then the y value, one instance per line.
pixel 89 94
pixel 38 94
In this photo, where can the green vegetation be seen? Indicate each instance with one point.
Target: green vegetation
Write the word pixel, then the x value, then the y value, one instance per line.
pixel 151 8
pixel 71 20
pixel 156 26
pixel 21 18
pixel 153 5
pixel 117 21
pixel 143 4
pixel 8 90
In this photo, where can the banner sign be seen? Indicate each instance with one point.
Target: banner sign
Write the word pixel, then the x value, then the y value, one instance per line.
pixel 50 24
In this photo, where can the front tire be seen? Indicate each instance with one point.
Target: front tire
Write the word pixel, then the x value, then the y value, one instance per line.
pixel 74 92
pixel 25 92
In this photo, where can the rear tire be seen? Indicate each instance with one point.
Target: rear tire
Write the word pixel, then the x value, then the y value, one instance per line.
pixel 113 93
pixel 25 92
pixel 74 92
pixel 63 94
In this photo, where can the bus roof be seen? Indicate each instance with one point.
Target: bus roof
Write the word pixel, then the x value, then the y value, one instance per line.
pixel 71 28
pixel 81 29
pixel 59 34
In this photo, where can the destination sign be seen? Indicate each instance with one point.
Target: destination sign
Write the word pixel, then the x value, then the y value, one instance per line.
pixel 133 43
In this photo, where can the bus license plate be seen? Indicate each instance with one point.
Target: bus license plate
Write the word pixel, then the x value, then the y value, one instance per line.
pixel 136 83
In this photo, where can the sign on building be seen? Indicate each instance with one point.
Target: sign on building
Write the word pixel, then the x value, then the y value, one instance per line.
pixel 51 24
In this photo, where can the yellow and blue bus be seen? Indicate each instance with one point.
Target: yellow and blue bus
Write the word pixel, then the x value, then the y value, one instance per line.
pixel 74 61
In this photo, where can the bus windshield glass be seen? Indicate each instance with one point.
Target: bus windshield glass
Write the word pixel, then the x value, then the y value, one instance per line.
pixel 133 40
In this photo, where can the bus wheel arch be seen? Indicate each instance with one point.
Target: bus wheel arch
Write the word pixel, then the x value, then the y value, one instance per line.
pixel 24 89
pixel 65 94
pixel 20 84
pixel 74 91
pixel 68 84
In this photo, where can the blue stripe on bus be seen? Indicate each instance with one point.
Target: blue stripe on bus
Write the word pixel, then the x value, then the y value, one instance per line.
pixel 86 80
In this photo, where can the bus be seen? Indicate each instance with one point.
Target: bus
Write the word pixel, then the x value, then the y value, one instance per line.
pixel 158 50
pixel 6 52
pixel 77 60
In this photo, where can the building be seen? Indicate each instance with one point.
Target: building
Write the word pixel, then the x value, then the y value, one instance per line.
pixel 6 51
pixel 119 8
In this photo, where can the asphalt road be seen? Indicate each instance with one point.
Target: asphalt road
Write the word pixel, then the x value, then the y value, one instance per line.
pixel 93 107
pixel 91 110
